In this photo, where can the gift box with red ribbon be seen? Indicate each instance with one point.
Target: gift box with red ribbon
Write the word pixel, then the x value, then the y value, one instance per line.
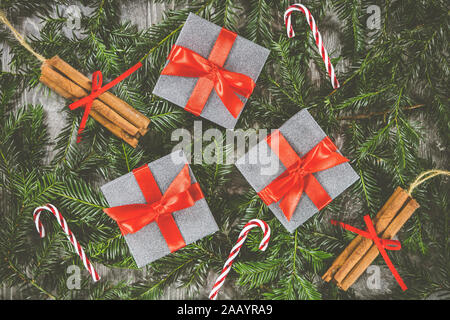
pixel 297 170
pixel 211 71
pixel 159 208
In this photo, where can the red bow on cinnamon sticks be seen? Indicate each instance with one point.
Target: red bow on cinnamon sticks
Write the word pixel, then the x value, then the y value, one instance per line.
pixel 187 63
pixel 97 89
pixel 382 244
pixel 181 194
pixel 298 177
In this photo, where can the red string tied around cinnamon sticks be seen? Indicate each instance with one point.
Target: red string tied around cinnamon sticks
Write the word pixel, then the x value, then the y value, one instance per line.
pixel 382 244
pixel 97 89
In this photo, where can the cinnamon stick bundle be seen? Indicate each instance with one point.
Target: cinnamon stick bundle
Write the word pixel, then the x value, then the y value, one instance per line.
pixel 112 112
pixel 361 252
pixel 373 252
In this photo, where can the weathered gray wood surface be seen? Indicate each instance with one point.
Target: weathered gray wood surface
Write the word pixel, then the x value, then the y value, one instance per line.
pixel 144 13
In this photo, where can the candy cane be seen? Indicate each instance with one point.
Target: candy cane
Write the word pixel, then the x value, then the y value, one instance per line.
pixel 234 252
pixel 317 37
pixel 62 222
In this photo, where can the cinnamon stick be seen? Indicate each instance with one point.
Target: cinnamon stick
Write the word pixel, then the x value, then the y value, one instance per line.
pixel 114 129
pixel 373 252
pixel 121 107
pixel 365 244
pixel 341 259
pixel 76 92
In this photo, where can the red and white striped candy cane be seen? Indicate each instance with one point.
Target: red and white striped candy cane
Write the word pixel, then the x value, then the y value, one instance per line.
pixel 317 37
pixel 234 252
pixel 62 222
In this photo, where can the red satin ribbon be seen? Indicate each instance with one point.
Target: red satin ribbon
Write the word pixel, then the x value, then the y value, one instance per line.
pixel 187 63
pixel 298 177
pixel 181 194
pixel 97 89
pixel 382 244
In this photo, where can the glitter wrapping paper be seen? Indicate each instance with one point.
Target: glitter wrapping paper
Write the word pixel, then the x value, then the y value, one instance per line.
pixel 199 35
pixel 148 244
pixel 303 133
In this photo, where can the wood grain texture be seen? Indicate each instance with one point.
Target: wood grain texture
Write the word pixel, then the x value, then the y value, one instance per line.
pixel 144 13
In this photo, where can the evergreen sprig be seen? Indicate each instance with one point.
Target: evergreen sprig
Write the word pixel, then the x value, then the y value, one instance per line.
pixel 403 65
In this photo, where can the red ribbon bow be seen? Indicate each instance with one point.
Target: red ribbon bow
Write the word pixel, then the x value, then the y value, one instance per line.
pixel 181 194
pixel 289 186
pixel 382 244
pixel 187 63
pixel 97 89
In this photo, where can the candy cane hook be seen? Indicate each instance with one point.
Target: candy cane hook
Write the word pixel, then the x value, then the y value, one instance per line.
pixel 62 222
pixel 316 34
pixel 234 252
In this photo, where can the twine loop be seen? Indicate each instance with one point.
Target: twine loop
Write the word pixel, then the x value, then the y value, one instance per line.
pixel 19 37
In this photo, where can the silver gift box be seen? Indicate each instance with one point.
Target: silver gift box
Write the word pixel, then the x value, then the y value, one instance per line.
pixel 148 244
pixel 199 35
pixel 303 133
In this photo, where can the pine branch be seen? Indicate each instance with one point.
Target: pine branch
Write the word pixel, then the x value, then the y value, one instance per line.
pixel 376 114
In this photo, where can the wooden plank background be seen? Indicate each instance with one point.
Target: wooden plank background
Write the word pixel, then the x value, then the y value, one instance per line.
pixel 144 13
